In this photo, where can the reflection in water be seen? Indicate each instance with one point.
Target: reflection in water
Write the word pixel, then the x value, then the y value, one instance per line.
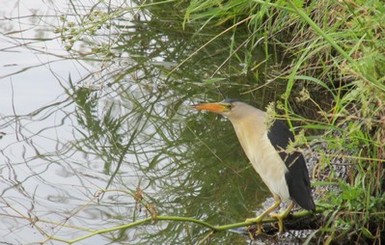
pixel 123 143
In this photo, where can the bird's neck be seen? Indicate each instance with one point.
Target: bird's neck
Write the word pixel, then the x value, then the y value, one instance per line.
pixel 250 131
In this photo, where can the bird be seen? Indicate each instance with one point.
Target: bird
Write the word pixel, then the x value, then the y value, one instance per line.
pixel 265 144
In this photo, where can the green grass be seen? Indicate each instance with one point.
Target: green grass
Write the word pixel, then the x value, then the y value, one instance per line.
pixel 334 51
pixel 331 65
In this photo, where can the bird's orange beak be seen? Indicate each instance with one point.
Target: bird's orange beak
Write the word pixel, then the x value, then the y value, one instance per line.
pixel 213 107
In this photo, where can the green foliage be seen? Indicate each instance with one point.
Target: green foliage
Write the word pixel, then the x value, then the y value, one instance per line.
pixel 337 49
pixel 330 82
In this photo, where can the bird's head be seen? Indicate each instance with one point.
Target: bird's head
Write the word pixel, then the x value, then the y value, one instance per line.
pixel 230 108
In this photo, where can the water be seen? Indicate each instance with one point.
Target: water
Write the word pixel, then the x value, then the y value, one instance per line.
pixel 93 116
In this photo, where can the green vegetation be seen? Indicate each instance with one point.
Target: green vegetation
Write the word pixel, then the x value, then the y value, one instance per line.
pixel 335 66
pixel 322 61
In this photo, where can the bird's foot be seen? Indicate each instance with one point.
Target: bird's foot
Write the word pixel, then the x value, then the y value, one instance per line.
pixel 258 229
pixel 280 217
pixel 257 219
pixel 254 231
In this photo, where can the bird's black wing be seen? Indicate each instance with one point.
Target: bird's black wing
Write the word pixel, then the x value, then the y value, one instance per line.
pixel 297 177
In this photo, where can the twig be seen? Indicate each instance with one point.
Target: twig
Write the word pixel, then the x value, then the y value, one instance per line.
pixel 149 220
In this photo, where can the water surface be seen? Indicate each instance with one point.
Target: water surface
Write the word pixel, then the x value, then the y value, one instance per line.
pixel 97 129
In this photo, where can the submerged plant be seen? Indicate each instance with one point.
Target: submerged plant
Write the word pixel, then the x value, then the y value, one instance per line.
pixel 328 80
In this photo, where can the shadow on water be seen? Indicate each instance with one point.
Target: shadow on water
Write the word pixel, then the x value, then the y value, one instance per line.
pixel 132 144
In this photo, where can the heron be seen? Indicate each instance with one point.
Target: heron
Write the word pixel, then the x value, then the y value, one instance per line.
pixel 265 144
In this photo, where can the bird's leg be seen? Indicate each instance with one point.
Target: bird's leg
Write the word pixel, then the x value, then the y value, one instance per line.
pixel 277 202
pixel 257 220
pixel 280 217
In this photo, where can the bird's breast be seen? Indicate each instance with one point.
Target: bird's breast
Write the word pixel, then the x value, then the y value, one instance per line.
pixel 264 158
